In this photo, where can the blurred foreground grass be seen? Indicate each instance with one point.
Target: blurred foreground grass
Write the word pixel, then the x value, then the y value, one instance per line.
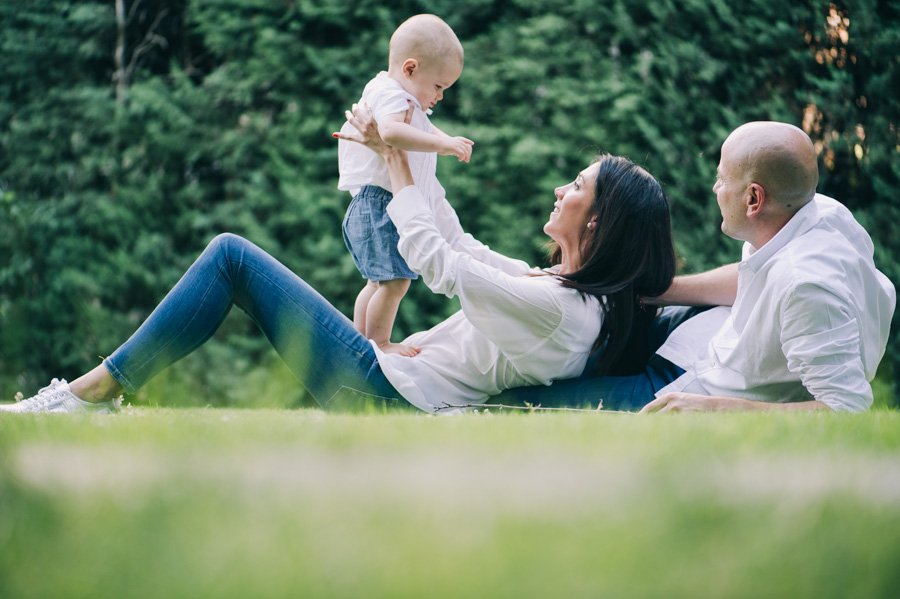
pixel 266 503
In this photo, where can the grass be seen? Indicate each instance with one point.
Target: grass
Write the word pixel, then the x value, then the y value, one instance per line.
pixel 271 503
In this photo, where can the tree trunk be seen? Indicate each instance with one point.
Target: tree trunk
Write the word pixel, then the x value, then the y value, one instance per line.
pixel 120 74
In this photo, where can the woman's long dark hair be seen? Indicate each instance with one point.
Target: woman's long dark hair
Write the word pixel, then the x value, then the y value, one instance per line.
pixel 626 255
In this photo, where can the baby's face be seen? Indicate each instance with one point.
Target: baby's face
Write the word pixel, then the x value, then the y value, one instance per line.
pixel 427 84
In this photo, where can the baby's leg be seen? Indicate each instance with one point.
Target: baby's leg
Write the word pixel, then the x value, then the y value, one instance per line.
pixel 381 314
pixel 362 305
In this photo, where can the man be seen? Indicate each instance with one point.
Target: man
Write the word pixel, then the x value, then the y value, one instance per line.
pixel 810 312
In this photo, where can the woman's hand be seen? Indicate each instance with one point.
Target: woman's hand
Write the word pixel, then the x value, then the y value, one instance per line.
pixel 362 121
pixel 398 165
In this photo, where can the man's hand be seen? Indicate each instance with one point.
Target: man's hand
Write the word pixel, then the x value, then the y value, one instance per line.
pixel 457 146
pixel 691 402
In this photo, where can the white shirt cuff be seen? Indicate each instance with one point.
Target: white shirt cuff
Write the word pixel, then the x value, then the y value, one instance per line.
pixel 406 205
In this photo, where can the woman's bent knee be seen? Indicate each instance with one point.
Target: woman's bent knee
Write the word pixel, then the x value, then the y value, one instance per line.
pixel 226 240
pixel 227 244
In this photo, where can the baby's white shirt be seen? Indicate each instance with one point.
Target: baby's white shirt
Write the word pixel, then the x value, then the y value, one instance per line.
pixel 361 166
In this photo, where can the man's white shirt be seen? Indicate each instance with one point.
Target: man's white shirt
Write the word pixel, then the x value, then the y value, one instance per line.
pixel 810 321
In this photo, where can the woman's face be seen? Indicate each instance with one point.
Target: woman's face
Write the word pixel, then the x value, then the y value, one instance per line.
pixel 571 211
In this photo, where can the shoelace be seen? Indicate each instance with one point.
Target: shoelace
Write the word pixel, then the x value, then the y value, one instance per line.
pixel 46 396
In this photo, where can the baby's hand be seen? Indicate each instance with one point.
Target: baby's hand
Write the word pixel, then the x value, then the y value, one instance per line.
pixel 457 146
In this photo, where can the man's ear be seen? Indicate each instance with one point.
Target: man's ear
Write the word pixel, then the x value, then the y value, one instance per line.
pixel 756 199
pixel 409 66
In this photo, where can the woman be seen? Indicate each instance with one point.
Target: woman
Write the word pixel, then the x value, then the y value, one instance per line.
pixel 518 326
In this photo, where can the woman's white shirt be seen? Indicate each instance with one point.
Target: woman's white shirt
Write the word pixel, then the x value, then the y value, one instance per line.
pixel 513 329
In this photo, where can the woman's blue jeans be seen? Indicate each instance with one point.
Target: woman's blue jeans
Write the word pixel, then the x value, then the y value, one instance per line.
pixel 626 393
pixel 331 359
pixel 615 392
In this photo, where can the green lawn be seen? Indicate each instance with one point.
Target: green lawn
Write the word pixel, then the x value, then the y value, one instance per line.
pixel 264 503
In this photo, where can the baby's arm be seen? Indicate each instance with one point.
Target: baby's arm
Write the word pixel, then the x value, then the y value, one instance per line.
pixel 406 137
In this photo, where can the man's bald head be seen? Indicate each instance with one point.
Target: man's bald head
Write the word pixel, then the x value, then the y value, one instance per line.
pixel 779 157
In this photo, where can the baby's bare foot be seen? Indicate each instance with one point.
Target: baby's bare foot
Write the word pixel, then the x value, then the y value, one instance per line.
pixel 398 348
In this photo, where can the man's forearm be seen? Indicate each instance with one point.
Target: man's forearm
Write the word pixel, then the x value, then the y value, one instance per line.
pixel 749 405
pixel 798 406
pixel 716 287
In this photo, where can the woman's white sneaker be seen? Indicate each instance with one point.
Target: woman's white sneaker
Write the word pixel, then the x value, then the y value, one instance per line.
pixel 57 397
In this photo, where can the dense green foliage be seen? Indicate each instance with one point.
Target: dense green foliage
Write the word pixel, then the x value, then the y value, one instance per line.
pixel 269 503
pixel 128 141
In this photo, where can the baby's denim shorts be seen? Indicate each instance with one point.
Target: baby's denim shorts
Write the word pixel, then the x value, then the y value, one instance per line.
pixel 372 238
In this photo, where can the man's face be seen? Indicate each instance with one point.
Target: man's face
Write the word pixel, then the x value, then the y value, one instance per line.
pixel 730 189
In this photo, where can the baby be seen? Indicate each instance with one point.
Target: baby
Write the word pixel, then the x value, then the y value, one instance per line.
pixel 425 59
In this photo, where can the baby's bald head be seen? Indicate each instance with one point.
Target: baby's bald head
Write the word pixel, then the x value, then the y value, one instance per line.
pixel 429 40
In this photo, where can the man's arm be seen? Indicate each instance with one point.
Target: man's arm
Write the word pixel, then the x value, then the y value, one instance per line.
pixel 821 342
pixel 690 402
pixel 400 134
pixel 716 287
